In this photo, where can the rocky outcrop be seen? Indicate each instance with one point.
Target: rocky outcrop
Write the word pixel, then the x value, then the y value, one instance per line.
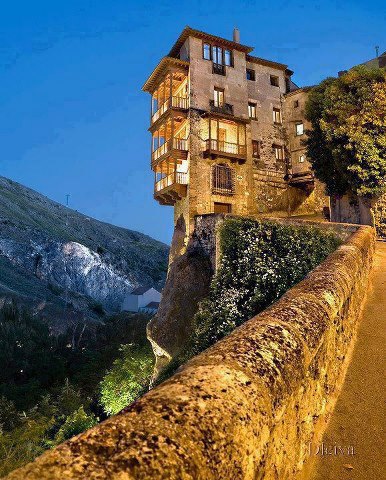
pixel 247 407
pixel 51 256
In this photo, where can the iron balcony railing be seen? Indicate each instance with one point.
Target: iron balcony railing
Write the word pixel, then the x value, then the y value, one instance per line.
pixel 175 143
pixel 225 108
pixel 171 102
pixel 225 147
pixel 219 69
pixel 171 179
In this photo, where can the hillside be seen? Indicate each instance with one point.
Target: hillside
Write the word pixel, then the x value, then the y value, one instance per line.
pixel 66 265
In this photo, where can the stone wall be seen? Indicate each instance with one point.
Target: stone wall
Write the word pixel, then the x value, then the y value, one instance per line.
pixel 247 407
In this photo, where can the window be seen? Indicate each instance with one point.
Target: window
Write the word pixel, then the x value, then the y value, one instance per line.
pixel 279 152
pixel 218 97
pixel 217 55
pixel 255 149
pixel 299 128
pixel 276 114
pixel 228 60
pixel 223 182
pixel 274 80
pixel 222 207
pixel 252 110
pixel 301 158
pixel 206 51
pixel 296 103
pixel 251 74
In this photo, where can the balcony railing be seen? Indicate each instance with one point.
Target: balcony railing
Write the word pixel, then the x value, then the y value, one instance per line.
pixel 175 143
pixel 225 147
pixel 224 108
pixel 172 102
pixel 219 69
pixel 171 179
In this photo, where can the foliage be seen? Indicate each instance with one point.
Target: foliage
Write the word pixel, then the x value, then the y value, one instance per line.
pixel 127 379
pixel 77 422
pixel 260 261
pixel 347 143
pixel 57 393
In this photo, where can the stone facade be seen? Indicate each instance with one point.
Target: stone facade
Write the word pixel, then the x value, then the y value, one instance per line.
pixel 234 118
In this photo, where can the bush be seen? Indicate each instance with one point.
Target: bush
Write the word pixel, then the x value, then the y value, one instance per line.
pixel 260 262
pixel 128 378
pixel 76 423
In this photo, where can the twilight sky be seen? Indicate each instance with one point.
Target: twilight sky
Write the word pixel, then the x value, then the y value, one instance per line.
pixel 73 117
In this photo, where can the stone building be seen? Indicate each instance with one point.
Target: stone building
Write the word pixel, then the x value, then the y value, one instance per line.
pixel 226 133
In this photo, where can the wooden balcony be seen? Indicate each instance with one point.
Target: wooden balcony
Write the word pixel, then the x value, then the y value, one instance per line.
pixel 177 147
pixel 176 103
pixel 216 148
pixel 171 188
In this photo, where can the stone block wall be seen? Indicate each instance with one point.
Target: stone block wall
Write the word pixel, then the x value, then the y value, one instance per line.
pixel 247 407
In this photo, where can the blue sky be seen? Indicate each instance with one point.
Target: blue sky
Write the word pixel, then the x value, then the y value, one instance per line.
pixel 73 117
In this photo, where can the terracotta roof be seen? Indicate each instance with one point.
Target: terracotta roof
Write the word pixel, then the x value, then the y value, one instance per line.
pixel 160 69
pixel 300 89
pixel 188 31
pixel 268 63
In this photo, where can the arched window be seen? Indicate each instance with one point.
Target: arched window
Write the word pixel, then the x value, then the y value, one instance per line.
pixel 223 179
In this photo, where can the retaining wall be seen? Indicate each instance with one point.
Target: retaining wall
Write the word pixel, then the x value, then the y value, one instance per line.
pixel 246 408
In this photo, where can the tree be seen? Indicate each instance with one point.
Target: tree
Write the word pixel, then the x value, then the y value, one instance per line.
pixel 127 379
pixel 347 143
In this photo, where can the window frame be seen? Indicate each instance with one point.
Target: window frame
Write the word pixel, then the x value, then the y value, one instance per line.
pixel 203 51
pixel 279 148
pixel 219 90
pixel 256 151
pixel 274 80
pixel 298 124
pixel 276 112
pixel 214 54
pixel 254 106
pixel 253 76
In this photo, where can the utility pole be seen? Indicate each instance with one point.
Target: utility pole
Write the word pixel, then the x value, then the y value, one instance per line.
pixel 67 197
pixel 377 51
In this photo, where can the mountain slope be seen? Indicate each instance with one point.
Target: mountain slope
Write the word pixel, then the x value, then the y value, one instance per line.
pixel 63 263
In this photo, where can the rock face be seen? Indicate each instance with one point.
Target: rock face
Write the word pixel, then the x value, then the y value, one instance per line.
pixel 51 256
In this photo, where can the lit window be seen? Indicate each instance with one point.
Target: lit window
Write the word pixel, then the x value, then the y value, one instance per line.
pixel 218 97
pixel 252 110
pixel 301 158
pixel 255 149
pixel 228 58
pixel 276 114
pixel 299 129
pixel 279 152
pixel 274 80
pixel 251 74
pixel 206 51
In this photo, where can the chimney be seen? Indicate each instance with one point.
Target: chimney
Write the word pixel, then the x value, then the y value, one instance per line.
pixel 236 35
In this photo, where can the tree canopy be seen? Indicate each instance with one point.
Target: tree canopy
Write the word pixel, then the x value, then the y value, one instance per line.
pixel 347 143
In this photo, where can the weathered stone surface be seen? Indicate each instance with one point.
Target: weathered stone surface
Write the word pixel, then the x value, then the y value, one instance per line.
pixel 247 407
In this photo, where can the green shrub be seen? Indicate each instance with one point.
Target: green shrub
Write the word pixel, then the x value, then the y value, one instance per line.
pixel 260 262
pixel 75 423
pixel 128 378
